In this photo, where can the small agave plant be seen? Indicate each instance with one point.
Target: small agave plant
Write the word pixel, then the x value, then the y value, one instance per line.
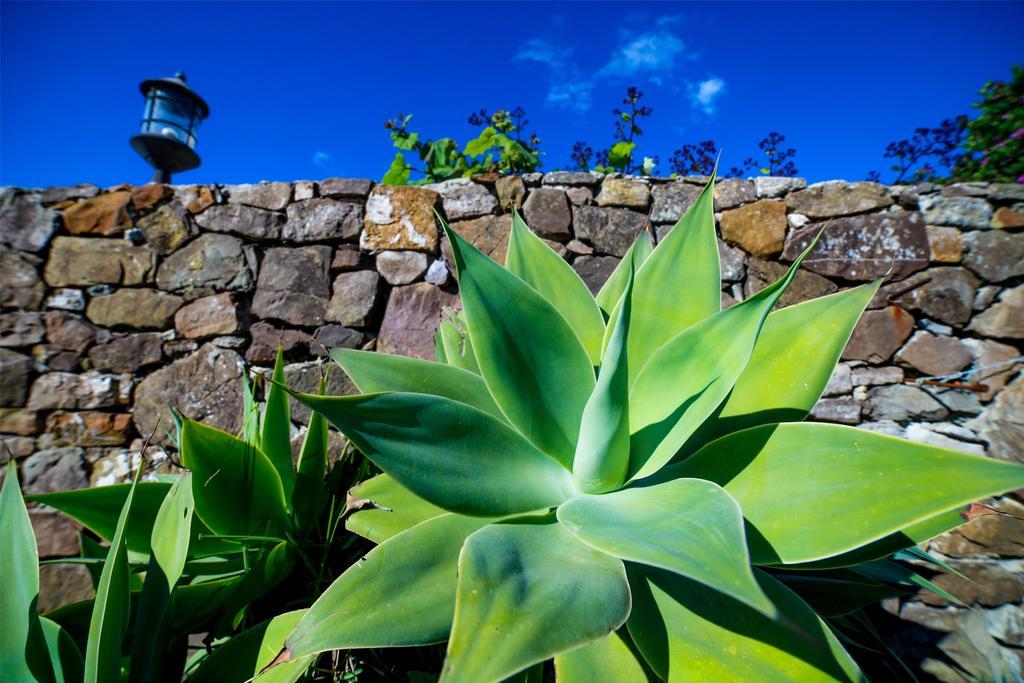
pixel 625 484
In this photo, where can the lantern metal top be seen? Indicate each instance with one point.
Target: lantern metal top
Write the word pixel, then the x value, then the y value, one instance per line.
pixel 176 84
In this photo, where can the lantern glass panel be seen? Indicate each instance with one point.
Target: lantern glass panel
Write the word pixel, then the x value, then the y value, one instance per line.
pixel 172 115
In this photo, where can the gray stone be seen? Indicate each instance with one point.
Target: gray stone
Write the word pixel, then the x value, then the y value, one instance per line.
pixel 838 198
pixel 902 403
pixel 943 294
pixel 1001 425
pixel 864 247
pixel 66 300
pixel 138 308
pixel 205 386
pixel 960 212
pixel 70 332
pixel 68 391
pixel 347 257
pixel 887 427
pixel 354 298
pixel 994 365
pixel 572 178
pixel 972 189
pixel 879 334
pixel 207 265
pixel 305 377
pixel 926 432
pixel 839 410
pixel 351 188
pixel 995 255
pixel 961 402
pixel 511 192
pixel 611 231
pixel 17 447
pixel 246 221
pixel 411 318
pixel 294 285
pixel 1004 318
pixel 313 220
pixel 25 224
pixel 401 267
pixel 166 229
pixel 92 260
pixel 777 186
pixel 732 192
pixel 489 234
pixel 437 273
pixel 841 381
pixel 21 328
pixel 304 189
pixel 804 287
pixel 595 270
pixel 580 196
pixel 865 375
pixel 329 337
pixel 20 286
pixel 127 353
pixel 732 262
pixel 266 339
pixel 462 199
pixel 1006 192
pixel 272 196
pixel 57 195
pixel 15 373
pixel 547 213
pixel 672 200
pixel 56 534
pixel 628 192
pixel 934 355
pixel 53 470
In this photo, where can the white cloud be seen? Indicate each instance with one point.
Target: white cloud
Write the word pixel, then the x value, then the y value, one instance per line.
pixel 323 160
pixel 543 52
pixel 575 96
pixel 704 94
pixel 647 54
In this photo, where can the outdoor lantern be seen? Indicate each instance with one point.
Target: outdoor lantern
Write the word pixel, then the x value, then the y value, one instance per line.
pixel 167 140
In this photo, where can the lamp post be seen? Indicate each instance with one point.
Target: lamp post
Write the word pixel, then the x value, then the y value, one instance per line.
pixel 168 137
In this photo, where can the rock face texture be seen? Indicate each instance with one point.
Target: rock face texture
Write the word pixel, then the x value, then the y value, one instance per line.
pixel 100 333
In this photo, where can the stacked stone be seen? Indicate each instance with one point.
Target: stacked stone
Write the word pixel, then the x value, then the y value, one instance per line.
pixel 120 302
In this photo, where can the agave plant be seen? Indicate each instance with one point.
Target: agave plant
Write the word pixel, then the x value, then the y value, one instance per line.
pixel 623 483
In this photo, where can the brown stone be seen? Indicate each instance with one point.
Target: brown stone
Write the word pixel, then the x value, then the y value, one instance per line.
pixel 546 211
pixel 988 585
pixel 805 285
pixel 139 308
pixel 944 244
pixel 205 386
pixel 595 270
pixel 63 584
pixel 354 298
pixel 294 285
pixel 86 428
pixel 319 219
pixel 1004 318
pixel 863 247
pixel 732 192
pixel 19 421
pixel 305 377
pixel 944 294
pixel 145 196
pixel 69 332
pixel 166 229
pixel 203 199
pixel 346 257
pixel 760 228
pixel 999 361
pixel 16 369
pixel 16 447
pixel 879 334
pixel 838 198
pixel 1005 217
pixel 70 391
pixel 995 255
pixel 20 286
pixel 209 264
pixel 266 339
pixel 934 355
pixel 627 192
pixel 209 317
pixel 488 234
pixel 127 353
pixel 511 192
pixel 412 315
pixel 56 534
pixel 1002 423
pixel 400 217
pixel 21 328
pixel 998 535
pixel 90 261
pixel 329 337
pixel 105 214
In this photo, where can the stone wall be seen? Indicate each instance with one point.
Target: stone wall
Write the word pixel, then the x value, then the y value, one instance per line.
pixel 121 301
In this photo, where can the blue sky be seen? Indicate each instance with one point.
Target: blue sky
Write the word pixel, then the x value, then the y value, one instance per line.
pixel 302 90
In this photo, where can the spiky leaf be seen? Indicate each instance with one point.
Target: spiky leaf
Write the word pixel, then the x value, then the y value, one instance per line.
pixel 386 509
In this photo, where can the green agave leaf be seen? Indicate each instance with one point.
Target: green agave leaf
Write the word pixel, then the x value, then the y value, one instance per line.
pixel 895 573
pixel 377 372
pixel 602 453
pixel 679 284
pixel 65 657
pixel 245 655
pixel 23 648
pixel 810 491
pixel 276 437
pixel 98 510
pixel 458 347
pixel 527 592
pixel 392 509
pixel 611 291
pixel 688 526
pixel 536 264
pixel 401 593
pixel 533 363
pixel 689 633
pixel 915 553
pixel 442 355
pixel 110 611
pixel 612 659
pixel 837 592
pixel 688 377
pixel 310 494
pixel 792 362
pixel 448 453
pixel 236 488
pixel 250 415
